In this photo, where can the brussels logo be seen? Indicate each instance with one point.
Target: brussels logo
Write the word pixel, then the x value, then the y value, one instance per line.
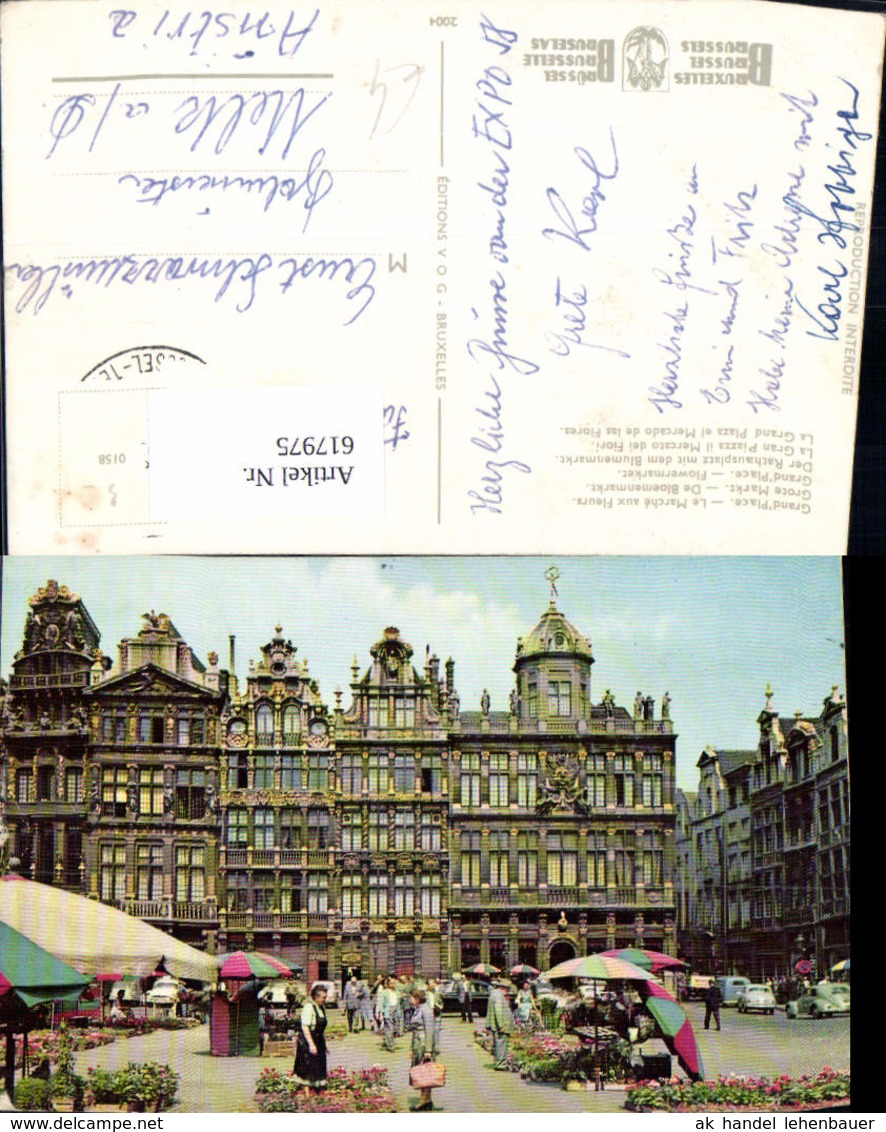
pixel 645 60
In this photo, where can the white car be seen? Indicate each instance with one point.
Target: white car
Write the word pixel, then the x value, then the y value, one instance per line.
pixel 755 996
pixel 165 992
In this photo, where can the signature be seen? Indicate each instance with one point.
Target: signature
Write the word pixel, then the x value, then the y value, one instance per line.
pixel 575 323
pixel 570 229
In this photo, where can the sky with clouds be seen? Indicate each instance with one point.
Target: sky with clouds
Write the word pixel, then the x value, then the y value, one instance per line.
pixel 710 631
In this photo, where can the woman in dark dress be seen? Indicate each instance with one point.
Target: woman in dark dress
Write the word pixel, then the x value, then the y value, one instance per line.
pixel 310 1051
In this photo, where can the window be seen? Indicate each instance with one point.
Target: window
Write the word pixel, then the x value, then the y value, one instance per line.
pixel 378 894
pixel 112 871
pixel 596 860
pixel 318 892
pixel 431 774
pixel 378 827
pixel 238 771
pixel 378 774
pixel 238 833
pixel 470 780
pixel 498 779
pixel 74 784
pixel 652 777
pixel 834 744
pixel 404 894
pixel 190 730
pixel 351 893
pixel 290 828
pixel 404 774
pixel 527 781
pixel 378 712
pixel 470 859
pixel 190 872
pixel 318 829
pixel 318 771
pixel 114 729
pixel 559 697
pixel 532 701
pixel 624 860
pixel 350 829
pixel 404 712
pixel 150 790
pixel 148 871
pixel 263 817
pixel 291 725
pixel 430 834
pixel 264 726
pixel 404 828
pixel 190 793
pixel 150 729
pixel 527 859
pixel 290 892
pixel 562 854
pixel 430 894
pixel 498 859
pixel 596 780
pixel 291 772
pixel 114 780
pixel 263 896
pixel 264 772
pixel 237 891
pixel 351 774
pixel 623 766
pixel 45 783
pixel 653 857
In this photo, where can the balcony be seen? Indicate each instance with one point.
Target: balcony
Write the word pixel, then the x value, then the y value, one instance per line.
pixel 46 808
pixel 191 911
pixel 566 896
pixel 50 680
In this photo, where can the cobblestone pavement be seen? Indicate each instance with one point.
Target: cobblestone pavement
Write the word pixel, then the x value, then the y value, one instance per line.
pixel 748 1044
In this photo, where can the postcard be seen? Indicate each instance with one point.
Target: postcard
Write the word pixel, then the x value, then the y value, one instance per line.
pixel 410 277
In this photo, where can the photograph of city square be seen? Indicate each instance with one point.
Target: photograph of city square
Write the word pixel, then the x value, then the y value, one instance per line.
pixel 413 833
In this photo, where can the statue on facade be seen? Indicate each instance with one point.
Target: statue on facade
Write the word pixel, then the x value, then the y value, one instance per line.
pixel 562 923
pixel 485 702
pixel 515 702
pixel 638 705
pixel 454 705
pixel 211 800
pixel 132 799
pixel 561 788
pixel 666 706
pixel 168 800
pixel 45 722
pixel 608 704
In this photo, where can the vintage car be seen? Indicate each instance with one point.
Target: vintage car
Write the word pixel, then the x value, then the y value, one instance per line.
pixel 165 992
pixel 819 1002
pixel 755 996
pixel 479 997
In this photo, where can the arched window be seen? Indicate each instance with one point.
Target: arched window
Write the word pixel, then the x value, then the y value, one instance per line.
pixel 291 725
pixel 264 726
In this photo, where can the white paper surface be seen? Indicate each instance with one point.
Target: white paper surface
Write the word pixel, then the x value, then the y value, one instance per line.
pixel 605 264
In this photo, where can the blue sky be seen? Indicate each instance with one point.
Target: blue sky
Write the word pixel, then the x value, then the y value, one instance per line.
pixel 711 631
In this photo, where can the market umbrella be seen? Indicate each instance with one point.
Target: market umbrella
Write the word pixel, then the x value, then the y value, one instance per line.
pixel 483 969
pixel 524 969
pixel 675 1027
pixel 653 961
pixel 843 965
pixel 597 966
pixel 94 937
pixel 30 975
pixel 252 964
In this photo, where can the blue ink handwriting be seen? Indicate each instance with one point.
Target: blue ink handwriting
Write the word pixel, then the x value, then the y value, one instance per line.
pixel 570 229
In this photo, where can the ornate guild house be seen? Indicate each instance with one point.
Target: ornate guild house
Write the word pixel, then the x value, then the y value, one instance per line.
pixel 394 832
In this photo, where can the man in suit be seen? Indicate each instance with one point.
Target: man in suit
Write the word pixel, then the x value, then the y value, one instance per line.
pixel 500 1020
pixel 712 1002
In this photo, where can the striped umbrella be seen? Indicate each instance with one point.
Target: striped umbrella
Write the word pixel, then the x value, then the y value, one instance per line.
pixel 653 961
pixel 31 973
pixel 484 970
pixel 604 967
pixel 843 965
pixel 676 1029
pixel 253 965
pixel 525 970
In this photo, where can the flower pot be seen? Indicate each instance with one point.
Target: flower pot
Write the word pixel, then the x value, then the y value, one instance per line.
pixel 106 1106
pixel 63 1104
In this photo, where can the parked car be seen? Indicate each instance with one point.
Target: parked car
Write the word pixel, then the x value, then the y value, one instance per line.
pixel 479 997
pixel 165 992
pixel 274 995
pixel 841 990
pixel 132 995
pixel 755 996
pixel 820 1002
pixel 729 986
pixel 696 987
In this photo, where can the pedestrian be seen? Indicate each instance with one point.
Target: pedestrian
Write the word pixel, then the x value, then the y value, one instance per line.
pixel 435 999
pixel 309 1070
pixel 352 1002
pixel 367 1014
pixel 386 1007
pixel 500 1021
pixel 465 1004
pixel 525 1003
pixel 421 1024
pixel 712 1001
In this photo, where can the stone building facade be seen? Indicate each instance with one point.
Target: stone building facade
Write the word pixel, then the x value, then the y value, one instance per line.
pixel 763 848
pixel 395 832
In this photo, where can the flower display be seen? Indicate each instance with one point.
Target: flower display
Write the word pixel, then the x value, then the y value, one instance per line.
pixel 362 1090
pixel 759 1093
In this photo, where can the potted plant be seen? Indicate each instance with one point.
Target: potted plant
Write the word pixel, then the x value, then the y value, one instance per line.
pixel 65 1087
pixel 104 1091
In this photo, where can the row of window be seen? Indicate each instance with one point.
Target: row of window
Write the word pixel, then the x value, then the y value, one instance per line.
pixel 189 871
pixel 376 894
pixel 371 828
pixel 186 730
pixel 43 788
